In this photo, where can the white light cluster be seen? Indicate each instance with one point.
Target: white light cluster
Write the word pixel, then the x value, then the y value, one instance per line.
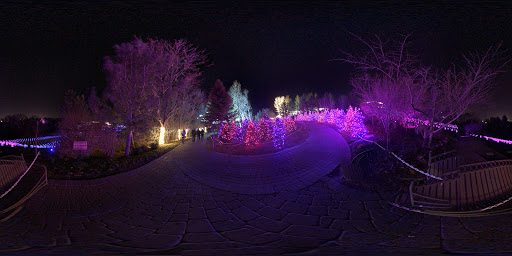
pixel 30 142
pixel 448 127
pixel 492 138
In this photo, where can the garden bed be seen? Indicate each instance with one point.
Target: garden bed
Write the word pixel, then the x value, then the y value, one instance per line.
pixel 381 170
pixel 101 166
pixel 91 167
pixel 296 138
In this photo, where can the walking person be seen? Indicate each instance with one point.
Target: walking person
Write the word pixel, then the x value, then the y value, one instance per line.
pixel 194 133
pixel 183 133
pixel 202 133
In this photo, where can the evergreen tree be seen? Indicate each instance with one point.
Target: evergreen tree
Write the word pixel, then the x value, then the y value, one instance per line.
pixel 263 131
pixel 240 130
pixel 240 107
pixel 219 103
pixel 339 119
pixel 297 103
pixel 279 133
pixel 228 131
pixel 289 125
pixel 250 134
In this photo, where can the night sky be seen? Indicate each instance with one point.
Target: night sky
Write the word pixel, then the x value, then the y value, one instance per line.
pixel 271 48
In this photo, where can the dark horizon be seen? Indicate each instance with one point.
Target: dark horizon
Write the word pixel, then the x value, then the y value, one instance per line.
pixel 272 49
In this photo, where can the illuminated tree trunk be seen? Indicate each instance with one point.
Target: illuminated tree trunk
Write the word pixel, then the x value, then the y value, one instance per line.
pixel 161 140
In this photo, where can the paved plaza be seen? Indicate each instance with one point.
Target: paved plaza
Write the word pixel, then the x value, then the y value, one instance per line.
pixel 195 202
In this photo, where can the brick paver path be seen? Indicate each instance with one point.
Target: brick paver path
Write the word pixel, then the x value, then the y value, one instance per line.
pixel 160 209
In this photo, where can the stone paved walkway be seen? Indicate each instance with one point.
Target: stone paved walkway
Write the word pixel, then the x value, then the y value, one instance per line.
pixel 160 209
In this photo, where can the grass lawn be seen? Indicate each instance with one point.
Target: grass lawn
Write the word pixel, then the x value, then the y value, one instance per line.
pixel 294 139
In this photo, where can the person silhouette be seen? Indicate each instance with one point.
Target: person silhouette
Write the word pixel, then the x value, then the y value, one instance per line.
pixel 183 133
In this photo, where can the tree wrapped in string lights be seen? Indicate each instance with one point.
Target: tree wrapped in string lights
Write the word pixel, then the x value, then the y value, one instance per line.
pixel 250 134
pixel 314 116
pixel 321 117
pixel 264 131
pixel 349 119
pixel 228 132
pixel 220 130
pixel 331 116
pixel 279 133
pixel 339 119
pixel 299 117
pixel 289 125
pixel 354 123
pixel 358 127
pixel 240 130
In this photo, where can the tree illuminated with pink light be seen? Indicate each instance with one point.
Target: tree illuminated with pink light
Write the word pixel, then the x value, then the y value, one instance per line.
pixel 264 130
pixel 250 134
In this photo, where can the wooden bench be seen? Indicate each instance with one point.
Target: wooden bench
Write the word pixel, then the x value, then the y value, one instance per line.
pixel 18 183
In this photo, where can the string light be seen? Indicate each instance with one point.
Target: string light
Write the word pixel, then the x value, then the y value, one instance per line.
pixel 250 134
pixel 29 142
pixel 240 131
pixel 263 130
pixel 228 131
pixel 289 125
pixel 279 133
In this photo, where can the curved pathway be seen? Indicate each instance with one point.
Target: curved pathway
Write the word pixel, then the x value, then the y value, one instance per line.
pixel 159 209
pixel 293 168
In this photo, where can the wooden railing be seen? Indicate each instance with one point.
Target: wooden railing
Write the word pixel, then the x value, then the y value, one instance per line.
pixel 11 168
pixel 474 187
pixel 443 163
pixel 18 183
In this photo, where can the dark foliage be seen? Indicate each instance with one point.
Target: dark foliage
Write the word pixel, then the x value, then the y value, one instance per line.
pixel 219 103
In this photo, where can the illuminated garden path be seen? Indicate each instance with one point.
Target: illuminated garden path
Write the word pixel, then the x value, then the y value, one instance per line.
pixel 292 168
pixel 159 208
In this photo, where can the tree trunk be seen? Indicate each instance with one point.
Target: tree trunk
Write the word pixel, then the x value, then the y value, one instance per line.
pixel 128 142
pixel 431 133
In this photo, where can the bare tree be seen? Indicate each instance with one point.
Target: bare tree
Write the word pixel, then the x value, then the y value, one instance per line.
pixel 381 99
pixel 326 102
pixel 388 72
pixel 126 72
pixel 444 98
pixel 192 101
pixel 173 80
pixel 390 59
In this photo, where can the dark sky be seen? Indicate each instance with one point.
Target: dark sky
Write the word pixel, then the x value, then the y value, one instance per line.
pixel 271 48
